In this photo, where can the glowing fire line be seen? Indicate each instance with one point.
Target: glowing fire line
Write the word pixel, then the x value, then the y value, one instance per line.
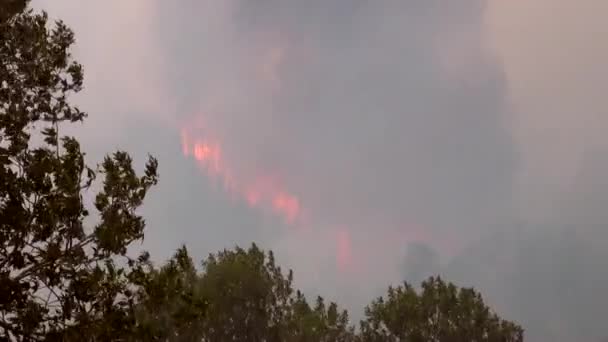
pixel 266 194
pixel 263 193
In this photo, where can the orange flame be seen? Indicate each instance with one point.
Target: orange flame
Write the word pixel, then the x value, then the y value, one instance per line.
pixel 263 193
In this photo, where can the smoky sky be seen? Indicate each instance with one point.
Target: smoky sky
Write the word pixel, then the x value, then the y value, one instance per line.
pixel 386 120
pixel 368 126
pixel 394 124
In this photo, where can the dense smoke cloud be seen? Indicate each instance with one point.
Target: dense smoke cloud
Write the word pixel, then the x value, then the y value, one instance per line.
pixel 386 120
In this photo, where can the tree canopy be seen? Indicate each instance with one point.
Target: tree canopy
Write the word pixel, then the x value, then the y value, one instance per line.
pixel 58 275
pixel 10 8
pixel 65 270
pixel 240 295
pixel 440 312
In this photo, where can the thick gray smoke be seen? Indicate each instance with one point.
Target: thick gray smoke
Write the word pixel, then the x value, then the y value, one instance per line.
pixel 387 119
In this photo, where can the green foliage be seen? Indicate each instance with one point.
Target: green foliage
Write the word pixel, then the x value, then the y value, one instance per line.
pixel 170 303
pixel 58 277
pixel 240 295
pixel 318 323
pixel 440 312
pixel 247 294
pixel 251 300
